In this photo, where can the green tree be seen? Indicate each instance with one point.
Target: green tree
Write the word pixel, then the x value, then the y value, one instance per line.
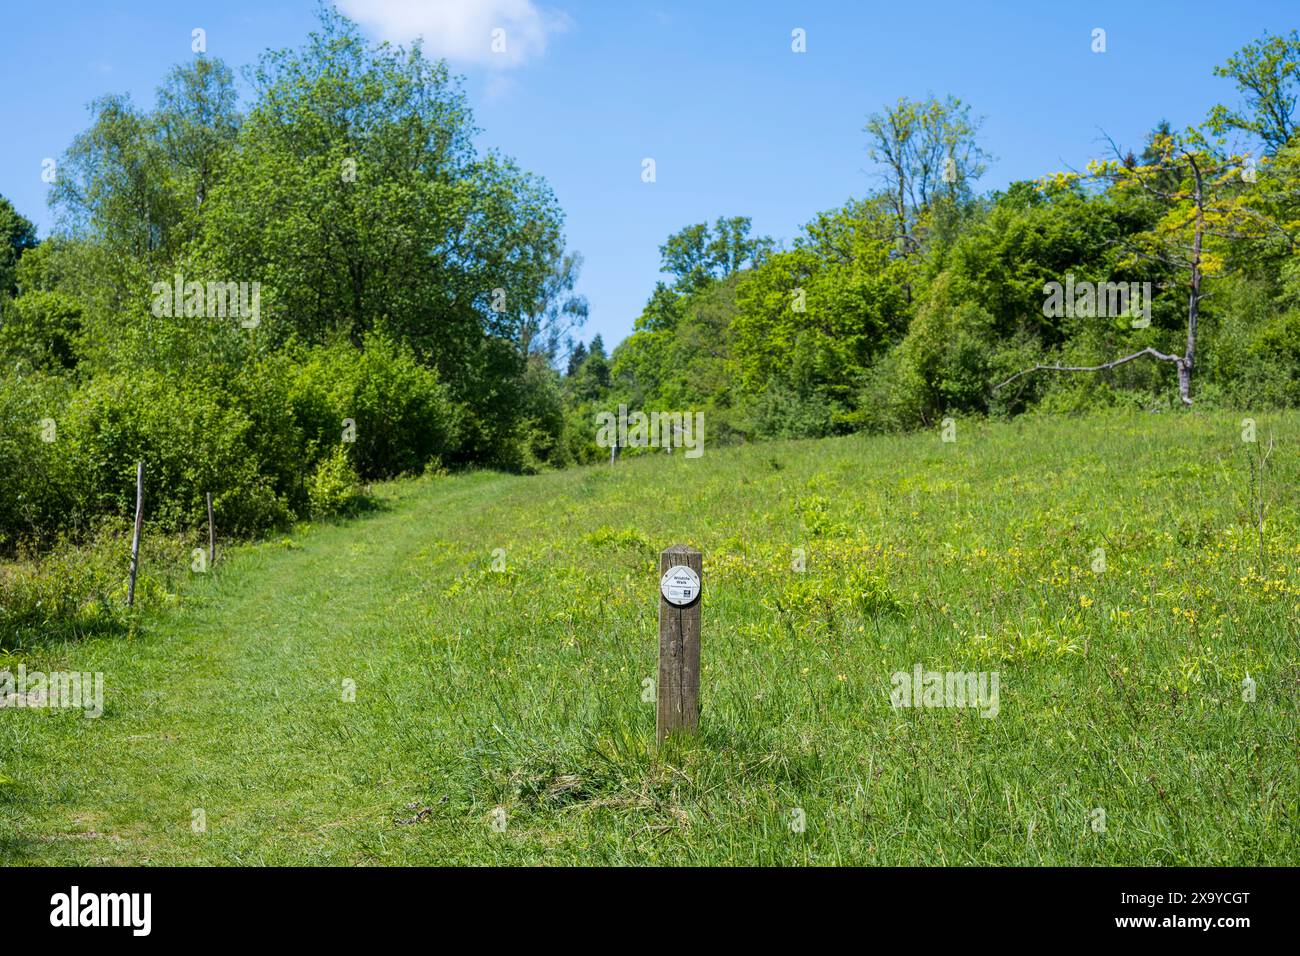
pixel 576 357
pixel 838 291
pixel 1267 74
pixel 593 376
pixel 114 187
pixel 698 254
pixel 1201 216
pixel 197 120
pixel 17 235
pixel 358 198
pixel 557 312
pixel 927 150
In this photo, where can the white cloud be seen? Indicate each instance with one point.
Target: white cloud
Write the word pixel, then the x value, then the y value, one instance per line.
pixel 462 30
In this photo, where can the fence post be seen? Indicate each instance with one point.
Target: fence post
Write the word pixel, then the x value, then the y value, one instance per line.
pixel 135 538
pixel 212 535
pixel 680 573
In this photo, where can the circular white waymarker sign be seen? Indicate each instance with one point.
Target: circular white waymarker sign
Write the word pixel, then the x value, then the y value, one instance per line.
pixel 680 585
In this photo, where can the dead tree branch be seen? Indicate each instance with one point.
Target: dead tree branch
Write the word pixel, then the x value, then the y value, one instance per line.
pixel 1161 356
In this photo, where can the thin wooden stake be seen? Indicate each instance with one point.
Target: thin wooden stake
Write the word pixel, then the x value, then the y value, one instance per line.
pixel 135 538
pixel 212 535
pixel 679 644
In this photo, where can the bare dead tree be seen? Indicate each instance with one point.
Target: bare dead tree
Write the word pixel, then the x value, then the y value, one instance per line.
pixel 1205 195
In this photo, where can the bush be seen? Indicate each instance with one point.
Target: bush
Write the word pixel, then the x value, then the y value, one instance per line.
pixel 403 419
pixel 44 488
pixel 264 391
pixel 543 421
pixel 192 441
pixel 41 329
pixel 264 440
pixel 945 362
pixel 334 488
pixel 1271 373
pixel 787 411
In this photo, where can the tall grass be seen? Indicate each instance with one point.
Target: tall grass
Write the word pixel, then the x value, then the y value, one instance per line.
pixel 499 631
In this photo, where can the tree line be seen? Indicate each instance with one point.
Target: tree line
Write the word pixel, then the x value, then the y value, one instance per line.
pixel 416 305
pixel 927 298
pixel 412 293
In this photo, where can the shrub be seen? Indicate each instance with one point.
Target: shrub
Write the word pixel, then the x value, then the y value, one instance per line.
pixel 192 441
pixel 264 391
pixel 1271 373
pixel 782 410
pixel 334 488
pixel 44 487
pixel 403 417
pixel 41 329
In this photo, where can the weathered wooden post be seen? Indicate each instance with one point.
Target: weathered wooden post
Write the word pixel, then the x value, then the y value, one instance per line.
pixel 135 538
pixel 680 572
pixel 212 535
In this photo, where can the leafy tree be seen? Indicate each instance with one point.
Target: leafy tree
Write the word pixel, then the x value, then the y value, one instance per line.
pixel 557 312
pixel 662 311
pixel 41 328
pixel 129 198
pixel 197 121
pixel 359 199
pixel 114 187
pixel 359 202
pixel 593 376
pixel 17 235
pixel 1267 74
pixel 838 291
pixel 697 255
pixel 927 150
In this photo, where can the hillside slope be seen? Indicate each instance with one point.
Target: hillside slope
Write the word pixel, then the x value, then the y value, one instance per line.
pixel 498 631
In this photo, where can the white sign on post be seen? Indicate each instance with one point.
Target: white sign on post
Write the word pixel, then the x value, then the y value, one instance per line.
pixel 680 585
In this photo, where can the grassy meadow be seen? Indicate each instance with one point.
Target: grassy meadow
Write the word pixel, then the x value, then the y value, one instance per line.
pixel 500 631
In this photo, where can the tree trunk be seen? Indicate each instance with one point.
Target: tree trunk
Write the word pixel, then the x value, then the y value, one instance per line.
pixel 1185 381
pixel 1194 297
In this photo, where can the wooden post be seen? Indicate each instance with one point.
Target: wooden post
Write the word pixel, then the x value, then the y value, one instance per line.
pixel 135 538
pixel 680 574
pixel 212 535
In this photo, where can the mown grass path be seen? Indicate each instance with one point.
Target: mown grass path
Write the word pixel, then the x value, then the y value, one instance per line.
pixel 515 681
pixel 234 705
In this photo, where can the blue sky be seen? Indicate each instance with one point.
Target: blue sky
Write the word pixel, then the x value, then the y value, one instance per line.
pixel 736 122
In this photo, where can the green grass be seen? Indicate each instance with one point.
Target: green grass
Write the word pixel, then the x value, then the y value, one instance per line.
pixel 522 689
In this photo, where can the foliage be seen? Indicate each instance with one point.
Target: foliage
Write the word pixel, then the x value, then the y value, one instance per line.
pixel 193 441
pixel 393 413
pixel 17 235
pixel 698 254
pixel 924 299
pixel 418 306
pixel 334 488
